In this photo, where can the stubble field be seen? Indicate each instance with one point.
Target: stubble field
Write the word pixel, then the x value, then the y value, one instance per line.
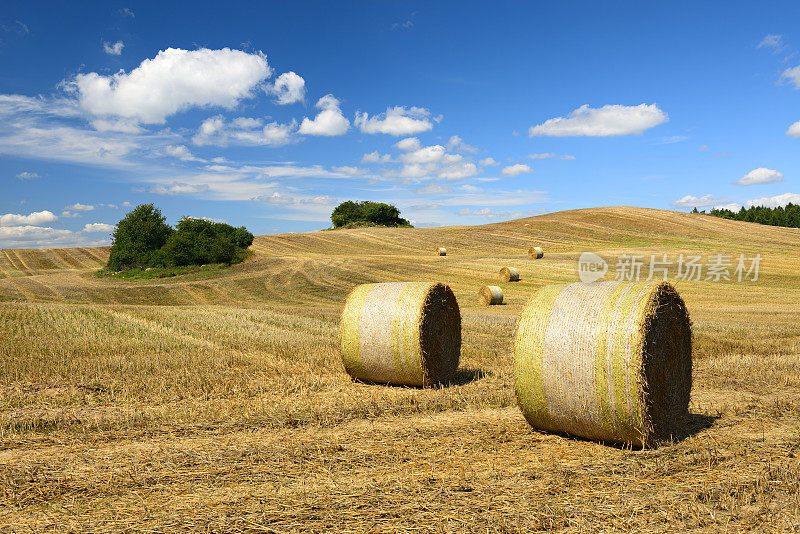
pixel 220 403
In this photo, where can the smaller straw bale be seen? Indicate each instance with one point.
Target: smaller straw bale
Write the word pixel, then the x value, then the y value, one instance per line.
pixel 509 274
pixel 490 296
pixel 536 253
pixel 441 251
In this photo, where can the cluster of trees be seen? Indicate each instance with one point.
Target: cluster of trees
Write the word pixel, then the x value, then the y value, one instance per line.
pixel 144 239
pixel 780 216
pixel 366 213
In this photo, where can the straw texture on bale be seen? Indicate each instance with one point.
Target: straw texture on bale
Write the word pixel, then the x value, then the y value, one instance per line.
pixel 441 251
pixel 536 253
pixel 608 361
pixel 509 274
pixel 490 296
pixel 406 333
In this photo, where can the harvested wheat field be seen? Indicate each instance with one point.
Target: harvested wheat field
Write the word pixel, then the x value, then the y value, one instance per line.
pixel 221 403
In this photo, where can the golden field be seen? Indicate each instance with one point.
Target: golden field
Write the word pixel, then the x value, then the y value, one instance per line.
pixel 220 403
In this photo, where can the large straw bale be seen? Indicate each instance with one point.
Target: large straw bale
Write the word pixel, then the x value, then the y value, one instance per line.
pixel 509 274
pixel 441 251
pixel 490 296
pixel 608 361
pixel 406 333
pixel 536 253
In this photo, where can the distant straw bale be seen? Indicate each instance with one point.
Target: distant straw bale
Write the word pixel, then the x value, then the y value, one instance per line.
pixel 406 333
pixel 509 274
pixel 490 296
pixel 441 251
pixel 536 253
pixel 608 361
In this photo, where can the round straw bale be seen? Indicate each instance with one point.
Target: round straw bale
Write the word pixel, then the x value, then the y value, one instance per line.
pixel 406 333
pixel 608 361
pixel 509 274
pixel 441 251
pixel 536 253
pixel 490 295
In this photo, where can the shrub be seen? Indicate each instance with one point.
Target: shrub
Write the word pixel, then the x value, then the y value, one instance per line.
pixel 198 241
pixel 138 237
pixel 351 213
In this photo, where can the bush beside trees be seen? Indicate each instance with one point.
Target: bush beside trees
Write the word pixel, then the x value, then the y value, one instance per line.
pixel 788 216
pixel 367 213
pixel 143 239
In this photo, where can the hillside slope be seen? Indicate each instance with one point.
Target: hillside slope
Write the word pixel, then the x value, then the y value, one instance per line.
pixel 321 267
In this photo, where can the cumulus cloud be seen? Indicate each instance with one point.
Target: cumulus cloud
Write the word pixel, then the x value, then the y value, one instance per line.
pixel 80 207
pixel 488 162
pixel 794 130
pixel 328 122
pixel 376 157
pixel 605 121
pixel 458 171
pixel 27 175
pixel 113 49
pixel 98 227
pixel 288 88
pixel 243 131
pixel 791 76
pixel 456 143
pixel 399 120
pixel 516 170
pixel 32 236
pixel 408 144
pixel 761 175
pixel 732 206
pixel 180 152
pixel 774 202
pixel 690 201
pixel 37 217
pixel 173 81
pixel 428 154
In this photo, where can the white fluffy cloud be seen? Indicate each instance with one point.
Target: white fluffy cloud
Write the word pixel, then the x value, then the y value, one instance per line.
pixel 288 88
pixel 408 144
pixel 794 130
pixel 243 131
pixel 458 171
pixel 434 189
pixel 761 175
pixel 516 170
pixel 428 154
pixel 376 157
pixel 605 121
pixel 32 236
pixel 348 170
pixel 792 76
pixel 27 175
pixel 80 207
pixel 488 162
pixel 690 201
pixel 180 152
pixel 774 202
pixel 329 121
pixel 98 227
pixel 37 217
pixel 732 206
pixel 456 143
pixel 173 81
pixel 396 121
pixel 113 49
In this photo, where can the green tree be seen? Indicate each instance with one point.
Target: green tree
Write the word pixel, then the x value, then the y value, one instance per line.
pixel 350 212
pixel 138 237
pixel 197 242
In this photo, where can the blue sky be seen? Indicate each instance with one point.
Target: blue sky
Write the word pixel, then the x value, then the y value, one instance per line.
pixel 459 113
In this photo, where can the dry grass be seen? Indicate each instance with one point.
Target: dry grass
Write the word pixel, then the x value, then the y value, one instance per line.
pixel 220 404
